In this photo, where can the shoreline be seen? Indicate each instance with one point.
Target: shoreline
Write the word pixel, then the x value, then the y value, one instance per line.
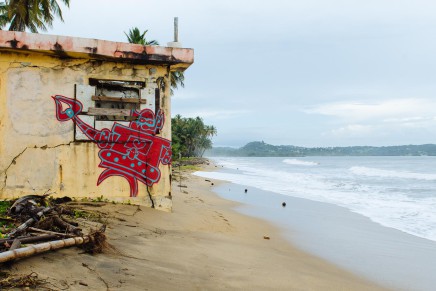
pixel 203 244
pixel 386 256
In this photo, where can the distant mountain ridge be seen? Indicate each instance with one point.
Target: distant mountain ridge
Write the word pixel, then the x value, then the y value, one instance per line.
pixel 262 149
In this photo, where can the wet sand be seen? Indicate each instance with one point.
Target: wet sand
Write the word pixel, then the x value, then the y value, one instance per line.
pixel 204 244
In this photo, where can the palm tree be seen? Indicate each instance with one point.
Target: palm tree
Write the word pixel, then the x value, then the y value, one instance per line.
pixel 177 78
pixel 205 141
pixel 190 136
pixel 3 14
pixel 30 14
pixel 135 36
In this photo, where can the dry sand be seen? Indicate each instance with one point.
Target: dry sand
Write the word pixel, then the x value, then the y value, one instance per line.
pixel 202 245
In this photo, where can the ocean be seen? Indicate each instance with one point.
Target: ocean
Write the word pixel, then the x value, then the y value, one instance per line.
pixel 396 192
pixel 373 216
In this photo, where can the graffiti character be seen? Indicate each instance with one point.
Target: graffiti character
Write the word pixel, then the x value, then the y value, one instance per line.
pixel 132 152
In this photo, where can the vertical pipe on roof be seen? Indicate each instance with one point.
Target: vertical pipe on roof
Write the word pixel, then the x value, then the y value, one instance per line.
pixel 176 29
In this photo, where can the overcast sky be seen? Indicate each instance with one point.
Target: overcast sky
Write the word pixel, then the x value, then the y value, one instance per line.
pixel 306 73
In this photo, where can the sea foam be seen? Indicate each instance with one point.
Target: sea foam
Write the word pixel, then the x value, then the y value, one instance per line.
pixel 299 162
pixel 374 172
pixel 400 199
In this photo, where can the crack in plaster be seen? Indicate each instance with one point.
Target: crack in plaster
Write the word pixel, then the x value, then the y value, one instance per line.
pixel 14 160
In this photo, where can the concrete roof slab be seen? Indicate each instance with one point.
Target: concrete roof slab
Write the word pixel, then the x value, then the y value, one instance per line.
pixel 76 47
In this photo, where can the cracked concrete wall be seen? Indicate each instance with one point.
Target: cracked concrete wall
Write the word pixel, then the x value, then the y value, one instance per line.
pixel 38 153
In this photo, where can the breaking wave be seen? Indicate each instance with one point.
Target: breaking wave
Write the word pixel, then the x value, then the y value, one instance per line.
pixel 401 197
pixel 299 162
pixel 374 172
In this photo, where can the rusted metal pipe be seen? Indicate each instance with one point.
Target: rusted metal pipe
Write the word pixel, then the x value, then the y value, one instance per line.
pixel 42 248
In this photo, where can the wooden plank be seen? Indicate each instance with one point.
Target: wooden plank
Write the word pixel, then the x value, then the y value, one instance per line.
pixel 124 84
pixel 108 112
pixel 118 99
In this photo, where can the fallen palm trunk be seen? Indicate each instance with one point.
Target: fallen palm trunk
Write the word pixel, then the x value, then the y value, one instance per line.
pixel 42 248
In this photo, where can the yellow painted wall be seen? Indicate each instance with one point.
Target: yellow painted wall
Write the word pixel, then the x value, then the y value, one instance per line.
pixel 38 153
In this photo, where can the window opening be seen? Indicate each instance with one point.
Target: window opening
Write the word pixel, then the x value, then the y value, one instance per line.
pixel 115 99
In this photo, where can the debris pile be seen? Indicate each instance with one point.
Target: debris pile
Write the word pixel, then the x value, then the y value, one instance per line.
pixel 21 281
pixel 34 224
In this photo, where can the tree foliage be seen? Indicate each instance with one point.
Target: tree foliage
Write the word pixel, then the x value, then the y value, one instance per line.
pixel 3 14
pixel 262 149
pixel 190 136
pixel 33 15
pixel 135 36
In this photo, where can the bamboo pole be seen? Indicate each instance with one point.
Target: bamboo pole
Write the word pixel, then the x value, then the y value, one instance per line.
pixel 32 239
pixel 42 248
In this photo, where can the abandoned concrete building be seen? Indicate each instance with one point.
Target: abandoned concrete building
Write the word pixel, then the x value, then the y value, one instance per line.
pixel 86 118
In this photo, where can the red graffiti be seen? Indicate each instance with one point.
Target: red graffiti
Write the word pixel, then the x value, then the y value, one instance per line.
pixel 132 152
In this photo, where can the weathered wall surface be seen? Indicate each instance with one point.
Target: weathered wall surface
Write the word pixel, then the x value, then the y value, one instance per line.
pixel 38 153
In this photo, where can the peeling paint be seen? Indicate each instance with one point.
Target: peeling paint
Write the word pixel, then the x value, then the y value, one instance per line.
pixel 98 49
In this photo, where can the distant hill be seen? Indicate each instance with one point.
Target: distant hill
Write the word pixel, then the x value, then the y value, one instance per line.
pixel 262 149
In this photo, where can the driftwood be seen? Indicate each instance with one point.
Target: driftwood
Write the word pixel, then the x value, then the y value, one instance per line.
pixel 16 244
pixel 22 203
pixel 41 248
pixel 33 229
pixel 65 225
pixel 29 222
pixel 42 222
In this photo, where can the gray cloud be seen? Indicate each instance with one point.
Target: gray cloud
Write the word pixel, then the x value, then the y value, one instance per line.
pixel 358 68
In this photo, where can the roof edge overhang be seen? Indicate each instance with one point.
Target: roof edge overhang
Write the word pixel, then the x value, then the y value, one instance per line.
pixel 86 48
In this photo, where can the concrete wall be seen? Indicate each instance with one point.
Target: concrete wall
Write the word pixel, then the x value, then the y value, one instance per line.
pixel 38 153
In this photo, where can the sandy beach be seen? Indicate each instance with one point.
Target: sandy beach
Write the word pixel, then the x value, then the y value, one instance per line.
pixel 202 245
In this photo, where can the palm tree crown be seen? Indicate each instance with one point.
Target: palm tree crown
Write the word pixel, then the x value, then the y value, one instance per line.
pixel 135 36
pixel 3 14
pixel 30 14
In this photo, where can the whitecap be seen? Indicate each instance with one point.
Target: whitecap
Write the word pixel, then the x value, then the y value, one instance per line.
pixel 299 162
pixel 374 172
